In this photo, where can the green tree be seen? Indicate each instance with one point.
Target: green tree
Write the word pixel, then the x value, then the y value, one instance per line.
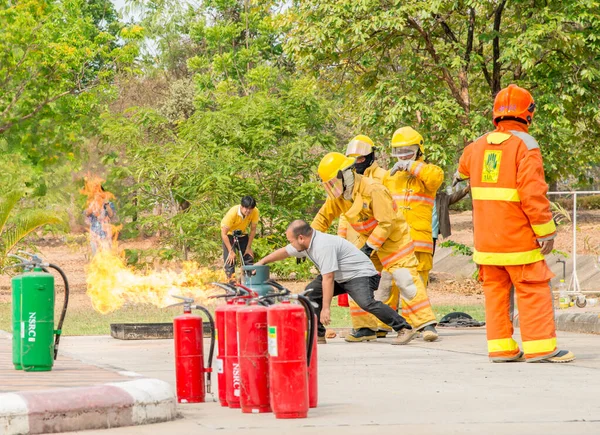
pixel 14 227
pixel 437 65
pixel 56 66
pixel 255 128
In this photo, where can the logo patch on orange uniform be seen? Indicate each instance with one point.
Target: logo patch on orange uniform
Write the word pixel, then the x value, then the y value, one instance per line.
pixel 491 166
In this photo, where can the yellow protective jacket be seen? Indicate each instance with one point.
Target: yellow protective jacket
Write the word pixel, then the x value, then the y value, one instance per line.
pixel 371 212
pixel 374 172
pixel 414 192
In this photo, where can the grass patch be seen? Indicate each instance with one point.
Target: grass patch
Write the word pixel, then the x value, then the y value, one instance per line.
pixel 84 320
pixel 340 317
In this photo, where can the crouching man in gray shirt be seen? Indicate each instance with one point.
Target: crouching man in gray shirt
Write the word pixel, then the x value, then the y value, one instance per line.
pixel 344 269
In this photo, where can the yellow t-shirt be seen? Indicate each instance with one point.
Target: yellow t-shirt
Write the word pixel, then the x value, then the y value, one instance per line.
pixel 235 221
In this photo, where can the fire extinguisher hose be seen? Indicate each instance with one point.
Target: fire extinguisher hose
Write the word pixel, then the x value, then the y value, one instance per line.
pixel 310 315
pixel 212 345
pixel 64 308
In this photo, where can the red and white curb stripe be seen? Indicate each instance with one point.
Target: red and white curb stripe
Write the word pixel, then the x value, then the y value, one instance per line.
pixel 116 404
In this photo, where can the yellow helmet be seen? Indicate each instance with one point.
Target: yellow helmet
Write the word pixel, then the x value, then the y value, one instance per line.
pixel 332 163
pixel 406 137
pixel 361 145
pixel 330 172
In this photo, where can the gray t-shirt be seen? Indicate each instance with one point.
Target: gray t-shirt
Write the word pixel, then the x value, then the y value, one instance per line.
pixel 335 254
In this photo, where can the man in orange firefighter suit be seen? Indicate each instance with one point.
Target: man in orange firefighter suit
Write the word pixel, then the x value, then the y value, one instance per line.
pixel 365 326
pixel 370 210
pixel 413 184
pixel 513 230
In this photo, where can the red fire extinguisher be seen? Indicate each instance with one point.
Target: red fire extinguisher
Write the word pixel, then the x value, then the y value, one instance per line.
pixel 253 358
pixel 232 365
pixel 342 300
pixel 220 360
pixel 225 368
pixel 290 351
pixel 189 353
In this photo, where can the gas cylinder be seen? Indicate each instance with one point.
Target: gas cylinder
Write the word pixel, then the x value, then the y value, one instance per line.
pixel 313 379
pixel 288 374
pixel 232 365
pixel 253 359
pixel 220 359
pixel 189 356
pixel 255 278
pixel 342 300
pixel 36 330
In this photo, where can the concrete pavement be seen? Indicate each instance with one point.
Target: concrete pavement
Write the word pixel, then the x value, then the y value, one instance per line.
pixel 445 387
pixel 77 395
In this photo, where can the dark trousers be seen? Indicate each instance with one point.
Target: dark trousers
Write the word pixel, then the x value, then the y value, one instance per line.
pixel 241 248
pixel 361 290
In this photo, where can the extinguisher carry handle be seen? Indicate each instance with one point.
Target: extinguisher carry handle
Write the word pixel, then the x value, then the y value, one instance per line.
pixel 231 290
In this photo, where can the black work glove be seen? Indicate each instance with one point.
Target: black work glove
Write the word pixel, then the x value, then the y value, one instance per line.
pixel 367 249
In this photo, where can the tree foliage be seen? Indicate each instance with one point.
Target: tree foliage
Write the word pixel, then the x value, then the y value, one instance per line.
pixel 58 60
pixel 254 128
pixel 437 65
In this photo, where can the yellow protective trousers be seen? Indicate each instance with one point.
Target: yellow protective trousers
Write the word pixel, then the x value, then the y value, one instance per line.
pixel 425 260
pixel 403 272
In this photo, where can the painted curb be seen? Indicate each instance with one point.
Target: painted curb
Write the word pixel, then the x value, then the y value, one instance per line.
pixel 584 323
pixel 588 323
pixel 142 401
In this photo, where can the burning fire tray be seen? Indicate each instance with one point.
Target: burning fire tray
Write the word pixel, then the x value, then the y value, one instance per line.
pixel 146 331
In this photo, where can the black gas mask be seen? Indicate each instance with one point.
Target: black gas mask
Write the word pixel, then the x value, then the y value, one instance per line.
pixel 362 167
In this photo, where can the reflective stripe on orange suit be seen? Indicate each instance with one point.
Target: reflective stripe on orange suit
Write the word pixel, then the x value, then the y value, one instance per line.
pixel 373 214
pixel 510 215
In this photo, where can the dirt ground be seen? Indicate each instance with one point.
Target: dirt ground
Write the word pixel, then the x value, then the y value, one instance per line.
pixel 588 231
pixel 72 255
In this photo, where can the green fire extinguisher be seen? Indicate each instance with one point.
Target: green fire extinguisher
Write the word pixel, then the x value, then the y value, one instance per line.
pixel 35 341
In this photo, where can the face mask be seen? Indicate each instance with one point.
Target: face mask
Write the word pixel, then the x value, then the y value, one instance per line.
pixel 348 176
pixel 362 167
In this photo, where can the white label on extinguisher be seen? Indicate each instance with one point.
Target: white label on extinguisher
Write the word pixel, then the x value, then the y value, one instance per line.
pixel 219 363
pixel 272 340
pixel 236 379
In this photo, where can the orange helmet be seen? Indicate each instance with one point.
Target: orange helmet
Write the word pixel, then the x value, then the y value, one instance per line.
pixel 513 102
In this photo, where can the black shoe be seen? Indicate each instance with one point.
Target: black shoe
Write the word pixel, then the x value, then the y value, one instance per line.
pixel 382 333
pixel 363 334
pixel 429 333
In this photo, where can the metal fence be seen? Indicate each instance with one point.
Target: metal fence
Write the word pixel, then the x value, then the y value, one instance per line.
pixel 574 286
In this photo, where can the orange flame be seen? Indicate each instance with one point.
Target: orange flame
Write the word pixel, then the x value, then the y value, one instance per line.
pixel 98 209
pixel 111 283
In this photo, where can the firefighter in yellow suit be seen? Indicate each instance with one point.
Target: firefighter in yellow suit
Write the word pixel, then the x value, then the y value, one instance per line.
pixel 413 185
pixel 365 326
pixel 370 210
